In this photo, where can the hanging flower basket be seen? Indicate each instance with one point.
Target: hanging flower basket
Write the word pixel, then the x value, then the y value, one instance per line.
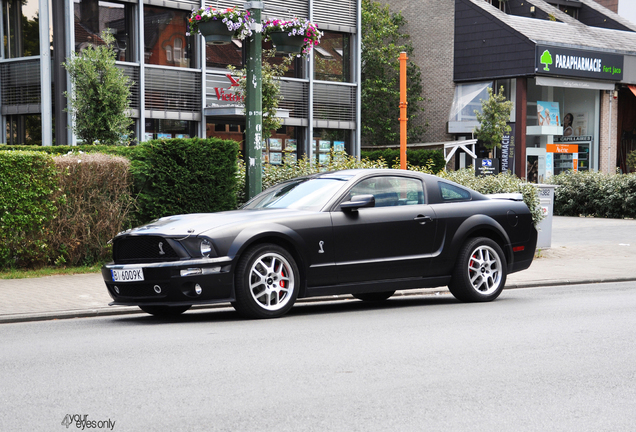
pixel 220 26
pixel 292 36
pixel 287 44
pixel 216 32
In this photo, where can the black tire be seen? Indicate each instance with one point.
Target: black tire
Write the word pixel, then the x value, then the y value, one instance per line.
pixel 374 296
pixel 164 311
pixel 480 272
pixel 266 282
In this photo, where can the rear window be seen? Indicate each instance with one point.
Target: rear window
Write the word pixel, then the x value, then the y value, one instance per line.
pixel 451 192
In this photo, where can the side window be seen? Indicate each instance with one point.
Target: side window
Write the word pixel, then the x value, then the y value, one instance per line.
pixel 391 191
pixel 451 192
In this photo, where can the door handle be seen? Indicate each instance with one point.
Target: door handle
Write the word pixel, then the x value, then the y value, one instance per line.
pixel 423 219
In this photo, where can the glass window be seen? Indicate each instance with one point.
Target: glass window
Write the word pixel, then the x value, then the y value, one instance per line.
pixel 159 128
pixel 93 16
pixel 304 194
pixel 326 140
pixel 391 191
pixel 220 56
pixel 21 36
pixel 165 27
pixel 332 59
pixel 451 192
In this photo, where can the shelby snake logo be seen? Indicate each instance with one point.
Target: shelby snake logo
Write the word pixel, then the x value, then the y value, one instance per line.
pixel 82 422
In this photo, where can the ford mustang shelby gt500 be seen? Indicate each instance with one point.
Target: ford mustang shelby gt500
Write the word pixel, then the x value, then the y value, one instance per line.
pixel 361 232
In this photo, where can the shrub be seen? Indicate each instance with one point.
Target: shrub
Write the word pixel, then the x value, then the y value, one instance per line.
pixel 434 159
pixel 96 200
pixel 500 183
pixel 585 193
pixel 27 183
pixel 180 176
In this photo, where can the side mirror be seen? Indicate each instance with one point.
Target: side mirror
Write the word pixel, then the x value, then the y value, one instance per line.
pixel 358 201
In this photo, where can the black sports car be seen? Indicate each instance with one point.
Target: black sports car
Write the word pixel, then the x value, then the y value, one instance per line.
pixel 362 232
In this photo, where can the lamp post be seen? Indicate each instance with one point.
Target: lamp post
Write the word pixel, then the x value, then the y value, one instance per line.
pixel 254 104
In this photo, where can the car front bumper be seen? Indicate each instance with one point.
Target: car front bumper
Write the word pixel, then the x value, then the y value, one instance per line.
pixel 173 283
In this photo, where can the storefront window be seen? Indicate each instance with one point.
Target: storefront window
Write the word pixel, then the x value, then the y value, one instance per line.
pixel 160 128
pixel 21 36
pixel 284 146
pixel 575 112
pixel 24 130
pixel 165 40
pixel 326 140
pixel 93 16
pixel 226 129
pixel 332 59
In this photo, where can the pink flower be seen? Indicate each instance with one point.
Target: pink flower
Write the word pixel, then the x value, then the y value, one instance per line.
pixel 198 17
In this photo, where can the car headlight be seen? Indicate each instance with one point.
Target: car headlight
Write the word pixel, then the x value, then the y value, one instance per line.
pixel 205 247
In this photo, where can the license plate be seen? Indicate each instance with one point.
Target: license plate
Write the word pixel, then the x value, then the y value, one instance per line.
pixel 128 275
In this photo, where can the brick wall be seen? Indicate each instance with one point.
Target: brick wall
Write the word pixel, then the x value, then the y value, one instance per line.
pixel 610 4
pixel 430 24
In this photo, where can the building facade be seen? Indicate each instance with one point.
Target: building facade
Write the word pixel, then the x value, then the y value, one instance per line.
pixel 181 84
pixel 569 66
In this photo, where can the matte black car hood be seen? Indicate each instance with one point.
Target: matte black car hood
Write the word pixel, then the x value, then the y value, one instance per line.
pixel 198 223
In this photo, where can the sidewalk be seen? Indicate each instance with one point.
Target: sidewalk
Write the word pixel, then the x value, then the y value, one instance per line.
pixel 584 250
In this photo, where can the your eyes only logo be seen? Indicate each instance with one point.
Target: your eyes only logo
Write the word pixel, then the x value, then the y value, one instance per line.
pixel 82 422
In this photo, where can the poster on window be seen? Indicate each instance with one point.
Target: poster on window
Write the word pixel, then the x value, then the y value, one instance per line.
pixel 323 158
pixel 276 158
pixel 290 144
pixel 579 124
pixel 275 144
pixel 324 146
pixel 339 146
pixel 548 113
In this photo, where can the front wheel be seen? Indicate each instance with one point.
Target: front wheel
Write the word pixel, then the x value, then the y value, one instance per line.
pixel 266 281
pixel 164 311
pixel 480 272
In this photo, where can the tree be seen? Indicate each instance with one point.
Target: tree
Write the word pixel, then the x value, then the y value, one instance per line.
pixel 382 42
pixel 493 119
pixel 271 72
pixel 546 60
pixel 99 99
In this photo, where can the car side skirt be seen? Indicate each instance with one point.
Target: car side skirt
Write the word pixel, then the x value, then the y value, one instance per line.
pixel 378 286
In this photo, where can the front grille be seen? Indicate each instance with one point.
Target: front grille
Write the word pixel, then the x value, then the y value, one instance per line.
pixel 136 290
pixel 143 249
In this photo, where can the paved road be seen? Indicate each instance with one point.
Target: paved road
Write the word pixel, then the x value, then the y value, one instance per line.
pixel 539 359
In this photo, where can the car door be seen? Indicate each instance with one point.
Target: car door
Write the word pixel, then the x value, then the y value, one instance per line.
pixel 393 239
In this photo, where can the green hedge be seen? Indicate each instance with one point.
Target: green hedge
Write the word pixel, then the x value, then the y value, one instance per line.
pixel 180 176
pixel 28 181
pixel 61 150
pixel 419 157
pixel 584 193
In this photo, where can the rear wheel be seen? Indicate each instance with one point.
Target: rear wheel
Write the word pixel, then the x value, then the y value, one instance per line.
pixel 267 281
pixel 164 311
pixel 374 296
pixel 480 272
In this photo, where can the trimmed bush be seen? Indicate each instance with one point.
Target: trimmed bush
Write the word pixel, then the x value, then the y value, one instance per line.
pixel 585 193
pixel 433 159
pixel 27 183
pixel 180 176
pixel 95 192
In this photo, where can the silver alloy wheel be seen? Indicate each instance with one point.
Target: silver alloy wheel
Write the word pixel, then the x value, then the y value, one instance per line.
pixel 271 281
pixel 485 270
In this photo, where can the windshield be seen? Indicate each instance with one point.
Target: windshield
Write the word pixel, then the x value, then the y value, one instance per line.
pixel 302 194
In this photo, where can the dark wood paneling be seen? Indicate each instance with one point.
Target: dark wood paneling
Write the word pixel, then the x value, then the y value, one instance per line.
pixel 486 48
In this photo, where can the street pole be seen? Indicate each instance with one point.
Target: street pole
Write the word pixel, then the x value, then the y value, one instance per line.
pixel 403 116
pixel 254 105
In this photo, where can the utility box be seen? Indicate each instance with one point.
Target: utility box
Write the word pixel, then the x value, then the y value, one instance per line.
pixel 546 202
